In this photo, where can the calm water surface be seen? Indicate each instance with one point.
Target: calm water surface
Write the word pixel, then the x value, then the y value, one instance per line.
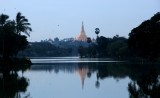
pixel 72 77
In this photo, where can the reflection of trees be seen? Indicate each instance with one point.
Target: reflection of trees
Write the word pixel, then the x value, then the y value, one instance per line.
pixel 121 70
pixel 148 86
pixel 14 65
pixel 97 84
pixel 57 67
pixel 11 84
pixel 103 70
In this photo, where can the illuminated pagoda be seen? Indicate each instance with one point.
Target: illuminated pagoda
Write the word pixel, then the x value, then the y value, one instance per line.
pixel 82 36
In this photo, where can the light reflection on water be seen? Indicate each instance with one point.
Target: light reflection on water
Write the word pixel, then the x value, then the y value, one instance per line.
pixel 73 78
pixel 71 60
pixel 73 82
pixel 85 78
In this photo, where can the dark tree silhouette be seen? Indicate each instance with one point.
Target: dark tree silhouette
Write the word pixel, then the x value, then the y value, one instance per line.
pixel 97 31
pixel 89 40
pixel 11 41
pixel 82 51
pixel 22 24
pixel 146 37
pixel 3 21
pixel 102 44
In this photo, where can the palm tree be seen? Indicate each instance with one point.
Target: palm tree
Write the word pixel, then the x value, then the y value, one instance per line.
pixel 22 24
pixel 97 31
pixel 3 21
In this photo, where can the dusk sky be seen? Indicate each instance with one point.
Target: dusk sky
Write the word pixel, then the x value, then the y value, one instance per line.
pixel 63 18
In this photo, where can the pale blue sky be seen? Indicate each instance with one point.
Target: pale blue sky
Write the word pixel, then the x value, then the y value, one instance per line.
pixel 63 18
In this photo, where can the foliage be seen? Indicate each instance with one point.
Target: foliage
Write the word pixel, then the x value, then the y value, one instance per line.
pixel 102 44
pixel 82 51
pixel 22 24
pixel 11 41
pixel 107 47
pixel 89 40
pixel 52 48
pixel 146 37
pixel 45 49
pixel 97 31
pixel 91 50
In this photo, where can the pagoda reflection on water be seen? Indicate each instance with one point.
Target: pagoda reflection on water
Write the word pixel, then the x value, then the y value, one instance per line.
pixel 82 73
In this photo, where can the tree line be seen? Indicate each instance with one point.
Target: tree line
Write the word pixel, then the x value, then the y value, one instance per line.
pixel 143 42
pixel 106 47
pixel 44 49
pixel 53 48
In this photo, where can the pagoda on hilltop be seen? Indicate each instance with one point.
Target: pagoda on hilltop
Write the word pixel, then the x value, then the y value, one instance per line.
pixel 82 36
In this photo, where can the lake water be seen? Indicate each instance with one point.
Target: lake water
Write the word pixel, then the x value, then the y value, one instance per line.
pixel 73 77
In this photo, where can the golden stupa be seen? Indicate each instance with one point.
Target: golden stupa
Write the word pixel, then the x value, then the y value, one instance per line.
pixel 82 36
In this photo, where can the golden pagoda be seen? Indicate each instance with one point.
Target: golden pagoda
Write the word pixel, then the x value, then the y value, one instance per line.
pixel 82 36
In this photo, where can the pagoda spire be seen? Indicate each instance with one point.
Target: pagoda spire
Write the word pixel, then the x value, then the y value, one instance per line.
pixel 82 36
pixel 82 27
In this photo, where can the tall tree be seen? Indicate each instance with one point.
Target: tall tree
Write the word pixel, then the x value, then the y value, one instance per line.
pixel 97 31
pixel 102 44
pixel 3 19
pixel 146 37
pixel 11 41
pixel 3 22
pixel 22 24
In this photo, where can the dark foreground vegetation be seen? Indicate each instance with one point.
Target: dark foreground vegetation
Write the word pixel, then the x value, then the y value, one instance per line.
pixel 11 42
pixel 11 84
pixel 145 38
pixel 11 39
